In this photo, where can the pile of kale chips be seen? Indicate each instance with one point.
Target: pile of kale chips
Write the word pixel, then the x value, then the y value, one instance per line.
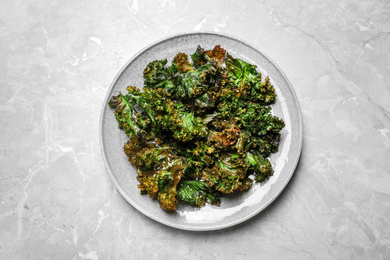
pixel 199 129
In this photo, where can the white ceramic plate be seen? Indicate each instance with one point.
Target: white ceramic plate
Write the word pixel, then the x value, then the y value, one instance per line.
pixel 234 209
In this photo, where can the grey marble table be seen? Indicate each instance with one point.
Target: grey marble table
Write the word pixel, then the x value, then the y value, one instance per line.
pixel 57 60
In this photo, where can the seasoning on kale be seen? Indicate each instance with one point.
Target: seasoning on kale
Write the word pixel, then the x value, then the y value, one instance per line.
pixel 199 129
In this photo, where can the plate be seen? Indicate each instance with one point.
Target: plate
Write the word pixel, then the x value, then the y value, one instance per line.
pixel 234 209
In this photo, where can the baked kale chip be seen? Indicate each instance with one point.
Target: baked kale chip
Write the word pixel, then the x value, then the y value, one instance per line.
pixel 201 127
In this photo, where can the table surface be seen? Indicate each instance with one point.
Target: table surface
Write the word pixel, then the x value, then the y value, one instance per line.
pixel 57 60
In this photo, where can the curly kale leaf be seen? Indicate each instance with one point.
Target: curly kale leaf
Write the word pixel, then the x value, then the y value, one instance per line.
pixel 197 193
pixel 162 182
pixel 256 119
pixel 261 166
pixel 217 54
pixel 259 120
pixel 193 83
pixel 135 114
pixel 199 157
pixel 189 85
pixel 183 65
pixel 241 71
pixel 225 134
pixel 124 113
pixel 248 82
pixel 245 142
pixel 200 57
pixel 263 92
pixel 185 126
pixel 148 158
pixel 180 79
pixel 155 74
pixel 228 174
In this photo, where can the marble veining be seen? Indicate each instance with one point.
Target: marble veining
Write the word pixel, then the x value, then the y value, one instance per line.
pixel 57 60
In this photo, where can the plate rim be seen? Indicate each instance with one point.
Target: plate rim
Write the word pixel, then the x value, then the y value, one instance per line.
pixel 160 220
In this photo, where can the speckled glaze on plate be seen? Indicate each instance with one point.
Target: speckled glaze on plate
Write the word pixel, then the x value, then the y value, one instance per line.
pixel 234 209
